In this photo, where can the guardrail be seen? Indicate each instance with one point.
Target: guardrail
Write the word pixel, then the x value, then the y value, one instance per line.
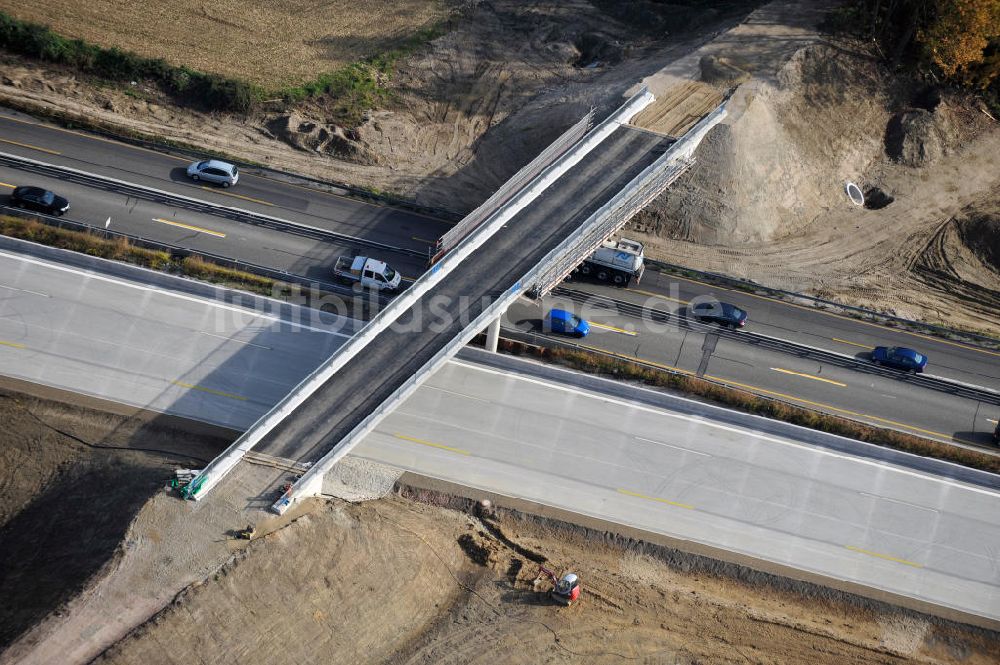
pixel 509 188
pixel 180 251
pixel 310 484
pixel 938 384
pixel 613 215
pixel 983 341
pixel 189 203
pixel 221 465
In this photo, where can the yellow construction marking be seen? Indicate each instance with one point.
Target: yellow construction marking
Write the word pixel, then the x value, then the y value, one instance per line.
pixel 655 498
pixel 432 445
pixel 208 390
pixel 12 344
pixel 4 184
pixel 429 242
pixel 917 429
pixel 844 341
pixel 656 295
pixel 32 147
pixel 884 556
pixel 236 196
pixel 613 329
pixel 808 376
pixel 189 227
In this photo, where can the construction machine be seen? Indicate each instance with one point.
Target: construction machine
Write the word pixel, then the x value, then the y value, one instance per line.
pixel 565 589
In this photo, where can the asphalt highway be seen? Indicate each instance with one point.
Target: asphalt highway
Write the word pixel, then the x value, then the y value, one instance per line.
pixel 25 136
pixel 886 400
pixel 890 526
pixel 872 398
pixel 812 327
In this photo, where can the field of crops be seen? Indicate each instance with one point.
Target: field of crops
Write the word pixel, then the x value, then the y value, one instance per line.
pixel 275 44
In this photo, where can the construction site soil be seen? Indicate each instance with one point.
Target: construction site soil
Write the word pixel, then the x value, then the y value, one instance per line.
pixel 420 578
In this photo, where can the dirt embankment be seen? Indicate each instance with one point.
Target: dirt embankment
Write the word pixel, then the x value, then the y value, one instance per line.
pixel 765 200
pixel 397 581
pixel 71 480
pixel 466 112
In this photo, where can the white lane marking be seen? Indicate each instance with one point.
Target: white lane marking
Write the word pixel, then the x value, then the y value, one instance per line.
pixel 762 437
pixel 660 443
pixel 238 341
pixel 36 293
pixel 905 503
pixel 180 296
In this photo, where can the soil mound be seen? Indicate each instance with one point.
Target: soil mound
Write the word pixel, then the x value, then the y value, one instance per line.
pixel 980 232
pixel 722 71
pixel 784 151
pixel 913 138
pixel 309 135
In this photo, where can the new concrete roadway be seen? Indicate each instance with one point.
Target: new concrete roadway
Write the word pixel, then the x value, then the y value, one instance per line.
pixel 666 465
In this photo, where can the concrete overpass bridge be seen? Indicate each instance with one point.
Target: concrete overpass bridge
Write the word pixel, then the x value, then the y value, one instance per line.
pixel 523 240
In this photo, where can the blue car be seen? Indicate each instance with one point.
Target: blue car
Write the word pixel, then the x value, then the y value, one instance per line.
pixel 567 323
pixel 899 357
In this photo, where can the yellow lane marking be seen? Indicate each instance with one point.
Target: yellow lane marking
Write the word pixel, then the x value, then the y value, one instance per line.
pixel 94 138
pixel 13 344
pixel 808 376
pixel 32 147
pixel 208 390
pixel 793 398
pixel 4 184
pixel 655 498
pixel 875 325
pixel 235 196
pixel 835 409
pixel 844 341
pixel 884 556
pixel 656 295
pixel 432 445
pixel 917 429
pixel 189 227
pixel 429 242
pixel 631 333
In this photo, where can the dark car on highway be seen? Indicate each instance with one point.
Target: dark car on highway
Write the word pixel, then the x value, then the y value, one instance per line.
pixel 720 312
pixel 900 358
pixel 41 200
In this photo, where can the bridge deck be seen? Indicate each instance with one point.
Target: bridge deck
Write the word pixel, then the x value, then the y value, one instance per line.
pixel 368 379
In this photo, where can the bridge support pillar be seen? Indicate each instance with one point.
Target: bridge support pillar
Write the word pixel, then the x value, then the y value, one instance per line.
pixel 493 335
